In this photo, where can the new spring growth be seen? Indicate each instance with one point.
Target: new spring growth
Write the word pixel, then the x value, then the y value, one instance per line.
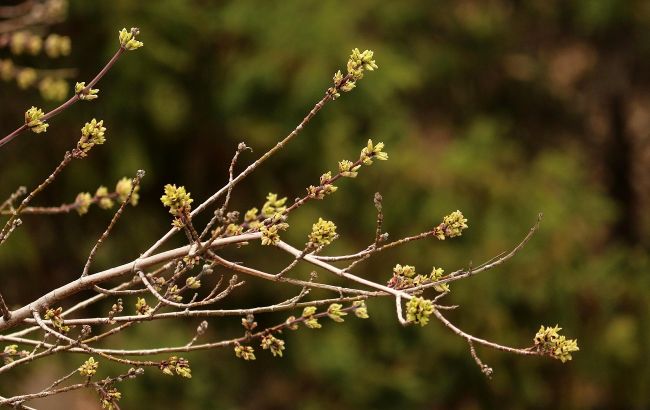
pixel 249 323
pixel 271 234
pixel 335 313
pixel 92 134
pixel 291 323
pixel 273 205
pixel 142 308
pixel 360 309
pixel 108 397
pixel 548 340
pixel 406 277
pixel 348 169
pixel 272 343
pixel 309 319
pixel 371 152
pixel 176 365
pixel 33 120
pixel 418 310
pixel 244 352
pixel 83 202
pixel 192 282
pixel 452 225
pixel 436 275
pixel 128 41
pixel 325 187
pixel 357 64
pixel 10 350
pixel 177 199
pixel 322 233
pixel 85 93
pixel 89 368
pixel 103 200
pixel 54 316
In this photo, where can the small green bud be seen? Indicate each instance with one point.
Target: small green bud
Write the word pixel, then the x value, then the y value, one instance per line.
pixel 56 318
pixel 549 341
pixel 275 345
pixel 335 313
pixel 89 368
pixel 452 226
pixel 142 308
pixel 127 39
pixel 33 120
pixel 347 168
pixel 310 321
pixel 436 275
pixel 360 309
pixel 271 234
pixel 322 232
pixel 177 199
pixel 250 215
pixel 273 205
pixel 108 397
pixel 234 229
pixel 406 270
pixel 88 95
pixel 418 310
pixel 105 202
pixel 82 202
pixel 11 350
pixel 291 323
pixel 192 282
pixel 92 134
pixel 371 152
pixel 176 365
pixel 244 352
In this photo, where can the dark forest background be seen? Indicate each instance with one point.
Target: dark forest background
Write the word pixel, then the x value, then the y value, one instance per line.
pixel 502 109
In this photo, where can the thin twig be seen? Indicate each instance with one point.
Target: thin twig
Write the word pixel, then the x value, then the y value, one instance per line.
pixel 135 183
pixel 70 101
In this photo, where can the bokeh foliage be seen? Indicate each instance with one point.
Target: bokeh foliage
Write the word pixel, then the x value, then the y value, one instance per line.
pixel 500 108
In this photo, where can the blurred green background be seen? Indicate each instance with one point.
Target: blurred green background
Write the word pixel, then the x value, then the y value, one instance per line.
pixel 502 109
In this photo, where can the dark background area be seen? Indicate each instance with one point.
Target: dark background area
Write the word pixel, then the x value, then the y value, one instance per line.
pixel 502 109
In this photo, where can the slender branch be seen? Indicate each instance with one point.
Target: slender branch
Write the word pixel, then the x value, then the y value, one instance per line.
pixel 70 101
pixel 134 185
pixel 61 209
pixel 342 272
pixel 246 172
pixel 470 338
pixel 278 307
pixel 15 195
pixel 275 278
pixel 66 160
pixel 72 342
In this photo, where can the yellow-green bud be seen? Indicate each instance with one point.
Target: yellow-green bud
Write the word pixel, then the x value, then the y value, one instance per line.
pixel 82 202
pixel 127 39
pixel 33 120
pixel 418 310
